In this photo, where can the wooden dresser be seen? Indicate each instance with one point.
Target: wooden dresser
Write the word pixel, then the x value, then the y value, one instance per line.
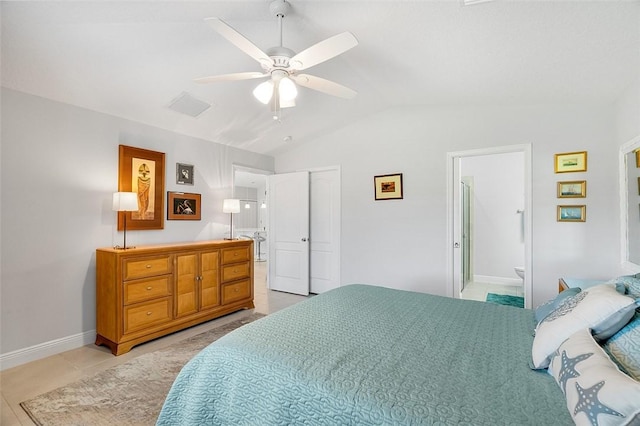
pixel 147 292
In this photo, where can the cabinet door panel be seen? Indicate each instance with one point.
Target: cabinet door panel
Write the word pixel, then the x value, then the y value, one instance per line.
pixel 186 284
pixel 209 284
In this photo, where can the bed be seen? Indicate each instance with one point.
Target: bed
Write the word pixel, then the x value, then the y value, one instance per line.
pixel 365 355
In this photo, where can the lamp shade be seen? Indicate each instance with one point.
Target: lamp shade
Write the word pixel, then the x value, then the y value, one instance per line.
pixel 125 201
pixel 231 205
pixel 264 91
pixel 287 90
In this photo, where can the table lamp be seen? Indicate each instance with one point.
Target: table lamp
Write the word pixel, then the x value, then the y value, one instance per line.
pixel 231 206
pixel 125 202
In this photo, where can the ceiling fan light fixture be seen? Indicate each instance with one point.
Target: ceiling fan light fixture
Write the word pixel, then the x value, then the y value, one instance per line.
pixel 287 90
pixel 264 91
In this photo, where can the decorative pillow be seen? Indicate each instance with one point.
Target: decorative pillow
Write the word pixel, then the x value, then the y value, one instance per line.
pixel 597 393
pixel 546 308
pixel 600 308
pixel 630 284
pixel 624 347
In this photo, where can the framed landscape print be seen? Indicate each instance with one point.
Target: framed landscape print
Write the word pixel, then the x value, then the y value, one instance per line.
pixel 571 162
pixel 572 189
pixel 142 171
pixel 183 206
pixel 572 213
pixel 388 187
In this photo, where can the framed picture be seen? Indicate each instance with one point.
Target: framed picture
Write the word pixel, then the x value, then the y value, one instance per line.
pixel 142 171
pixel 388 187
pixel 637 151
pixel 572 213
pixel 571 162
pixel 572 189
pixel 184 174
pixel 183 206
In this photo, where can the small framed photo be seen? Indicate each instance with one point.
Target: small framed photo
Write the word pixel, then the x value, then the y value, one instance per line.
pixel 572 213
pixel 183 206
pixel 184 174
pixel 571 162
pixel 572 189
pixel 388 187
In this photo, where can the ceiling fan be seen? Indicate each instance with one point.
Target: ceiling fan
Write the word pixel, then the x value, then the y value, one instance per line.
pixel 283 65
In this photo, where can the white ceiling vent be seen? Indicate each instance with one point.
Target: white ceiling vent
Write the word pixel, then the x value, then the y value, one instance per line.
pixel 187 104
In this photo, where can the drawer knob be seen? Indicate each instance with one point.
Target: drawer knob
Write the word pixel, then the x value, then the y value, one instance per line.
pixel 235 289
pixel 149 288
pixel 148 313
pixel 148 266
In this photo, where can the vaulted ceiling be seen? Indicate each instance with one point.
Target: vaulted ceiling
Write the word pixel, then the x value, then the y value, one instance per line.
pixel 132 59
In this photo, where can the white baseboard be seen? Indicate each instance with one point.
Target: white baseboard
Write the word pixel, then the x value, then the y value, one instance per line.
pixel 43 350
pixel 497 280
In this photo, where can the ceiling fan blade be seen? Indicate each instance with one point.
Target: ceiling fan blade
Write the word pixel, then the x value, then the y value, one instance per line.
pixel 237 39
pixel 231 77
pixel 323 51
pixel 324 86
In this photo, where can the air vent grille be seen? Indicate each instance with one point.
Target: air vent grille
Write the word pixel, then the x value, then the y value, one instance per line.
pixel 189 105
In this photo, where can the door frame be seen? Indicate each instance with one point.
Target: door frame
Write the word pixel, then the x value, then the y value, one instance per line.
pixel 454 222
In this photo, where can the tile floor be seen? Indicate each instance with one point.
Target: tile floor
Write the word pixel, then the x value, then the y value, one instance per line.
pixel 30 380
pixel 479 291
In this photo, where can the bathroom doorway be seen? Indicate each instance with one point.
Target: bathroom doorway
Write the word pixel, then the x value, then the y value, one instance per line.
pixel 249 186
pixel 489 216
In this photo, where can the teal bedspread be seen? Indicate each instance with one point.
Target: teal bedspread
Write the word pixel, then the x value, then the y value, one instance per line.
pixel 366 355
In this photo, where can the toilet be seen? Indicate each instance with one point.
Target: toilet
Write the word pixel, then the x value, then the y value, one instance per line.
pixel 520 271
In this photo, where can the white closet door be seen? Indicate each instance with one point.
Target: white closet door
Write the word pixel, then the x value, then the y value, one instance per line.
pixel 325 230
pixel 289 232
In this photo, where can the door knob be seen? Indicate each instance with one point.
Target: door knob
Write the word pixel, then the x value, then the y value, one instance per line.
pixel 304 240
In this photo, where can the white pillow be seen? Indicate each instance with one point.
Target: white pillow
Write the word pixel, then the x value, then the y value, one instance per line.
pixel 600 308
pixel 597 393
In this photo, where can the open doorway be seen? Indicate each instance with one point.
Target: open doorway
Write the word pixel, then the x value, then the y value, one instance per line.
pixel 249 186
pixel 489 224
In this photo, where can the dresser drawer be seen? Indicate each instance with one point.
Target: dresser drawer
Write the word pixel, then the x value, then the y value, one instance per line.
pixel 236 254
pixel 146 289
pixel 140 316
pixel 235 271
pixel 147 267
pixel 236 291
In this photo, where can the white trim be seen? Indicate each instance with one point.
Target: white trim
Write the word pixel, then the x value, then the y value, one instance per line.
pixel 46 349
pixel 486 279
pixel 626 148
pixel 453 159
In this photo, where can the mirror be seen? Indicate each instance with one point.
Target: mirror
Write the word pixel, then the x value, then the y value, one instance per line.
pixel 630 203
pixel 248 216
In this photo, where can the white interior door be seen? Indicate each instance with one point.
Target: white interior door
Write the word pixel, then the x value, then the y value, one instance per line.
pixel 288 195
pixel 325 230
